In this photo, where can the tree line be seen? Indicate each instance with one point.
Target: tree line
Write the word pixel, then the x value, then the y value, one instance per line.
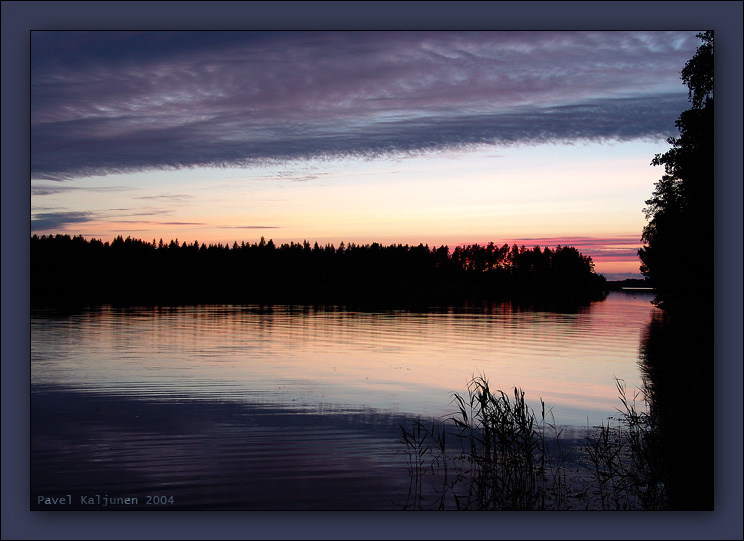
pixel 73 267
pixel 680 210
pixel 677 348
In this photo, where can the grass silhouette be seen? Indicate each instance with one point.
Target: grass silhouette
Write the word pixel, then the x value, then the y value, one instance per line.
pixel 496 453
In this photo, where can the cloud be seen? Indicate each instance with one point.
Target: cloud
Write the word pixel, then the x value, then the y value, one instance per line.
pixel 57 220
pixel 621 248
pixel 51 190
pixel 46 221
pixel 178 223
pixel 115 102
pixel 166 197
pixel 248 227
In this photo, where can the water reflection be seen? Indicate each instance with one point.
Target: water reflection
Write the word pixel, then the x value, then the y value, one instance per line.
pixel 677 366
pixel 391 360
pixel 213 455
pixel 295 407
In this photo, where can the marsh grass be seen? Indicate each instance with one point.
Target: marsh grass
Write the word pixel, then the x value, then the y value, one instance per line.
pixel 495 453
pixel 625 459
pixel 492 454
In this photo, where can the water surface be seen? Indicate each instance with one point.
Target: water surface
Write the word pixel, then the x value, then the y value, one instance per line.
pixel 286 407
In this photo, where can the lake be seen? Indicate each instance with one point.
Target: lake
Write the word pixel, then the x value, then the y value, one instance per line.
pixel 293 407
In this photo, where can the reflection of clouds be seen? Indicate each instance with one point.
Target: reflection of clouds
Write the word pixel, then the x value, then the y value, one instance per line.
pixel 185 100
pixel 410 362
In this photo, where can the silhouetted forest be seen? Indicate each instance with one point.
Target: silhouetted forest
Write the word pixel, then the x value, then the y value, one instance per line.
pixel 677 351
pixel 72 269
pixel 680 211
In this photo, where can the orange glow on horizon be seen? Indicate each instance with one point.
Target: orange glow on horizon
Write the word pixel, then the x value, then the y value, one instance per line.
pixel 544 196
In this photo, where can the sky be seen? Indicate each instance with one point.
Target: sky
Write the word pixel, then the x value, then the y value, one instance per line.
pixel 539 138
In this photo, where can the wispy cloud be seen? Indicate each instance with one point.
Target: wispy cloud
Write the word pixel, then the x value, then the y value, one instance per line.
pixel 57 220
pixel 60 188
pixel 622 248
pixel 120 102
pixel 49 221
pixel 166 197
pixel 179 223
pixel 248 227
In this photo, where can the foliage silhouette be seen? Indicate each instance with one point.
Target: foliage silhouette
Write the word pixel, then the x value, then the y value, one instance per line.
pixel 497 453
pixel 496 456
pixel 677 351
pixel 67 268
pixel 680 211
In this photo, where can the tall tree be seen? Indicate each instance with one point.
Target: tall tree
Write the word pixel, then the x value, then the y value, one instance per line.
pixel 677 252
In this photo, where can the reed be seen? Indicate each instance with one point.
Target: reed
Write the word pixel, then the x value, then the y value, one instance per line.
pixel 497 456
pixel 495 453
pixel 625 459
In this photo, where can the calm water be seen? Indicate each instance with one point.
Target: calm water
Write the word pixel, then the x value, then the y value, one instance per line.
pixel 248 407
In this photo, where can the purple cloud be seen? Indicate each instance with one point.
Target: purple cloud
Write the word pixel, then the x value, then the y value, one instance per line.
pixel 107 102
pixel 57 220
pixel 620 248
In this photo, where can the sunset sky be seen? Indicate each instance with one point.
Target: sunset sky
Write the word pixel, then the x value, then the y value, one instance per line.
pixel 393 137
